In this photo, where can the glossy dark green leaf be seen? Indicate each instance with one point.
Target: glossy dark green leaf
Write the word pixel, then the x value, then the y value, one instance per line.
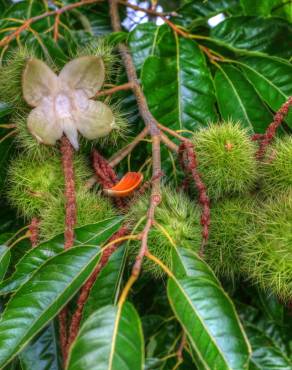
pixel 195 13
pixel 277 332
pixel 143 42
pixel 94 234
pixel 42 353
pixel 106 288
pixel 4 260
pixel 207 314
pixel 258 7
pixel 178 84
pixel 5 109
pixel 271 77
pixel 270 305
pixel 110 339
pixel 42 297
pixel 265 354
pixel 238 100
pixel 268 35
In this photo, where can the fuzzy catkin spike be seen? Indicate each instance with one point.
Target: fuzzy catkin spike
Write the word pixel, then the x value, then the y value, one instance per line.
pixel 91 208
pixel 226 159
pixel 267 252
pixel 177 221
pixel 276 167
pixel 32 184
pixel 230 218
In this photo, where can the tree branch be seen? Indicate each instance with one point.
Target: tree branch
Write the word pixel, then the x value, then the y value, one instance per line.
pixel 154 131
pixel 124 87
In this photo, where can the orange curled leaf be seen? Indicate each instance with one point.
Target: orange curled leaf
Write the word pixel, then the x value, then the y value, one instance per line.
pixel 126 186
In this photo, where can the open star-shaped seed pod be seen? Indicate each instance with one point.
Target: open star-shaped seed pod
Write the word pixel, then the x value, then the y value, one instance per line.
pixel 63 104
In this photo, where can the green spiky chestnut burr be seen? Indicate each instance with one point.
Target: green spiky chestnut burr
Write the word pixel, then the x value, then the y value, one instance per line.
pixel 11 75
pixel 177 222
pixel 276 167
pixel 267 252
pixel 226 159
pixel 91 208
pixel 229 219
pixel 31 184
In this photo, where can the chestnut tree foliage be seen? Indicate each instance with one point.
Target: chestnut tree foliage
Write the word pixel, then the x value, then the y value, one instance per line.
pixel 197 63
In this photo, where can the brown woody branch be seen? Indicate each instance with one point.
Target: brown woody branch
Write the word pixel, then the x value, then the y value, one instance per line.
pixel 155 133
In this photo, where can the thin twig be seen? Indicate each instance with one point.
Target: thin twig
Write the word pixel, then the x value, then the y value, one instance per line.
pixel 7 39
pixel 172 132
pixel 11 133
pixel 118 157
pixel 147 11
pixel 56 27
pixel 124 87
pixel 170 144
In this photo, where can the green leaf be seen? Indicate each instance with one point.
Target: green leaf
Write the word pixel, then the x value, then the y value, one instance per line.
pixel 178 84
pixel 4 260
pixel 195 13
pixel 258 7
pixel 238 100
pixel 42 297
pixel 110 339
pixel 271 78
pixel 42 351
pixel 271 306
pixel 94 234
pixel 268 35
pixel 106 288
pixel 265 354
pixel 283 9
pixel 207 314
pixel 5 109
pixel 143 42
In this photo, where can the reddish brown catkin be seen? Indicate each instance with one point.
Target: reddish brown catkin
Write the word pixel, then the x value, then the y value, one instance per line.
pixel 269 135
pixel 188 162
pixel 71 210
pixel 34 232
pixel 106 176
pixel 70 221
pixel 76 318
